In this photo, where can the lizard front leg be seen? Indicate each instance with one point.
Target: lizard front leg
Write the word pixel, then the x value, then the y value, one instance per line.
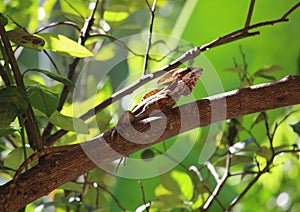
pixel 126 118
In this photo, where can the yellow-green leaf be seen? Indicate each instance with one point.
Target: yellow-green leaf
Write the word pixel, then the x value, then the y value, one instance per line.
pixel 69 123
pixel 64 46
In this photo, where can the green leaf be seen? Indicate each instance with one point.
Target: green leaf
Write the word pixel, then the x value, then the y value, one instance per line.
pixel 257 119
pixel 3 19
pixel 43 99
pixel 64 46
pixel 71 186
pixel 25 39
pixel 179 184
pixel 265 152
pixel 75 7
pixel 116 13
pixel 267 71
pixel 296 127
pixel 236 160
pixel 16 157
pixel 103 120
pixel 54 76
pixel 200 201
pixel 13 103
pixel 9 130
pixel 69 123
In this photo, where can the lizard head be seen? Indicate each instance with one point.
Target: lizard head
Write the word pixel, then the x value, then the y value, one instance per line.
pixel 181 81
pixel 189 77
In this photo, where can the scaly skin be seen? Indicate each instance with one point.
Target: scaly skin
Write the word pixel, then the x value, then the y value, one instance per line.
pixel 180 82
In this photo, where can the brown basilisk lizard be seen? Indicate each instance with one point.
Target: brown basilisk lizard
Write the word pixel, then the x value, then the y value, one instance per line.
pixel 179 81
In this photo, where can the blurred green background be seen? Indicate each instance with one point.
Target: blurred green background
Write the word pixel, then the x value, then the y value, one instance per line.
pixel 193 23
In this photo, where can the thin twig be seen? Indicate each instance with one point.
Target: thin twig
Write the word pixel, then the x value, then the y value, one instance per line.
pixel 52 61
pixel 55 24
pixel 152 16
pixel 190 54
pixel 268 130
pixel 113 196
pixel 197 172
pixel 249 16
pixel 144 196
pixel 213 171
pixel 220 184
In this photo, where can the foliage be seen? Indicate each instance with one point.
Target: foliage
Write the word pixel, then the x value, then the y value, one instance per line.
pixel 56 50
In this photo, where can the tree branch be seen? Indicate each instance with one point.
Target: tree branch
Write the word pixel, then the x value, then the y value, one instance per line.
pixel 189 55
pixel 73 163
pixel 149 44
pixel 32 130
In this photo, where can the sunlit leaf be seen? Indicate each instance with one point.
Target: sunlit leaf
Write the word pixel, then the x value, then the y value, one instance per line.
pixel 116 13
pixel 106 53
pixel 69 123
pixel 265 152
pixel 43 99
pixel 9 130
pixel 296 127
pixel 54 76
pixel 179 183
pixel 13 102
pixel 200 201
pixel 64 46
pixel 75 7
pixel 25 39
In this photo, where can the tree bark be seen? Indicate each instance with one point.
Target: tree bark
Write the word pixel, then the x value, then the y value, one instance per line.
pixel 58 169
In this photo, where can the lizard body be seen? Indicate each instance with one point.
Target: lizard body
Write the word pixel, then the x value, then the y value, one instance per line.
pixel 180 82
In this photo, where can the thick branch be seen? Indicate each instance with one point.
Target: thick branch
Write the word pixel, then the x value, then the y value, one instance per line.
pixel 59 169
